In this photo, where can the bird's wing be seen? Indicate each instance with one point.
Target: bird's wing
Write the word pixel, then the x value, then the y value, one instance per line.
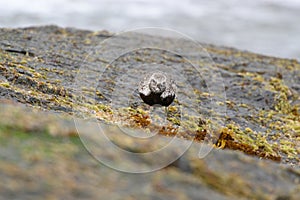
pixel 144 86
pixel 170 90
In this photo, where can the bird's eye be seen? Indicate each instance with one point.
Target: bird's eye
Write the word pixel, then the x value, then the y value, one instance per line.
pixel 153 82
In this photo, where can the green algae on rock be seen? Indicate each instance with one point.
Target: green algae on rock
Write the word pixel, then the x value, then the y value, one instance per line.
pixel 39 65
pixel 41 156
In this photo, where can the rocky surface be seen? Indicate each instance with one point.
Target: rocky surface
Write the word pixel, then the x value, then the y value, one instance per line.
pixel 41 156
pixel 233 100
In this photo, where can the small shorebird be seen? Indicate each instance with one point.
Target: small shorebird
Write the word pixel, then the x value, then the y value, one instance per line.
pixel 157 88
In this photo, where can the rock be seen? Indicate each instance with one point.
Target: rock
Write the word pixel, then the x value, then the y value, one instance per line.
pixel 35 164
pixel 257 111
pixel 61 70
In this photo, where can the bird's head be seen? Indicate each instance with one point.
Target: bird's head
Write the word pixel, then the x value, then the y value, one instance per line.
pixel 157 83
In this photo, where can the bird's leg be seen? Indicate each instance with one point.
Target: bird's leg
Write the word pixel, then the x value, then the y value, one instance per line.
pixel 166 110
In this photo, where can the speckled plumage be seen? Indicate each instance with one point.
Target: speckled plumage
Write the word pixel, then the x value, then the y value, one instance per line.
pixel 157 88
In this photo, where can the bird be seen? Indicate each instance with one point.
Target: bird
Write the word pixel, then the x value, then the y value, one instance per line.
pixel 157 88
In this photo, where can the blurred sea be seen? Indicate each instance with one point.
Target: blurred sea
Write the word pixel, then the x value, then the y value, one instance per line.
pixel 269 27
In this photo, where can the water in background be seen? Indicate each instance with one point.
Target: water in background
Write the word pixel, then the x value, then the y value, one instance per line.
pixel 266 26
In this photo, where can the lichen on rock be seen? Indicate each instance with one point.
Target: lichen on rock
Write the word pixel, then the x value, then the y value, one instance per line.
pixel 39 65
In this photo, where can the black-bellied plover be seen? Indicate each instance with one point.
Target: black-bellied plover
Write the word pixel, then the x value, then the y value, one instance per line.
pixel 157 88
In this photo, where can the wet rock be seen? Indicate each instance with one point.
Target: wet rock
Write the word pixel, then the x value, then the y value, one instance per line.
pixel 35 164
pixel 67 73
pixel 61 70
